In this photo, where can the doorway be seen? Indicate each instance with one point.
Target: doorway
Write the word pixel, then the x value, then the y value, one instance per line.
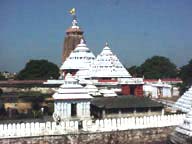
pixel 73 109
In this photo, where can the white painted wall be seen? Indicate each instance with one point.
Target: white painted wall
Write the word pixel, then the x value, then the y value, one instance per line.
pixel 51 128
pixel 63 109
pixel 153 90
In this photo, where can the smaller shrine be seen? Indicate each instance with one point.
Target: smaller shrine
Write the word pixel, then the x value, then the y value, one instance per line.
pixel 79 61
pixel 71 101
pixel 157 89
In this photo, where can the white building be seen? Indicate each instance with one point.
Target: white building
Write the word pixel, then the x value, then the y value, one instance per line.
pixel 71 100
pixel 157 90
pixel 79 61
pixel 105 70
pixel 107 65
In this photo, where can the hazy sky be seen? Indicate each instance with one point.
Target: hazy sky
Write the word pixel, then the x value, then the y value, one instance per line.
pixel 134 29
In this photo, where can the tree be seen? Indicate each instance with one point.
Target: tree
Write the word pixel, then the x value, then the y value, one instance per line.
pixel 135 71
pixel 186 73
pixel 158 67
pixel 39 69
pixel 155 68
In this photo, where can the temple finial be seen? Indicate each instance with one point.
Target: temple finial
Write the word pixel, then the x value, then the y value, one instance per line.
pixel 82 41
pixel 106 44
pixel 74 22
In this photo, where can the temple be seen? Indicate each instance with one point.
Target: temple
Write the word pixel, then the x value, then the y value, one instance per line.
pixel 103 71
pixel 79 61
pixel 71 100
pixel 73 36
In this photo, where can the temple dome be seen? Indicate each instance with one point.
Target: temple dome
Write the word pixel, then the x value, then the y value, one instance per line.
pixel 80 58
pixel 108 65
pixel 71 89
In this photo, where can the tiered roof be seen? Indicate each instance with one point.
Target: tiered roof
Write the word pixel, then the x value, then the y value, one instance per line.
pixel 80 58
pixel 71 89
pixel 184 103
pixel 108 65
pixel 186 127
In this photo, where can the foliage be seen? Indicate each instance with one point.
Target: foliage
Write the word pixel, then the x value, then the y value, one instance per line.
pixel 155 68
pixel 39 69
pixel 135 71
pixel 186 73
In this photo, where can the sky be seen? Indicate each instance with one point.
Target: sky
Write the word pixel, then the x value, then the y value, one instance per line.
pixel 135 29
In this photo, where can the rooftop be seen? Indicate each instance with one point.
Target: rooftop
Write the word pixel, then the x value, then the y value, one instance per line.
pixel 125 102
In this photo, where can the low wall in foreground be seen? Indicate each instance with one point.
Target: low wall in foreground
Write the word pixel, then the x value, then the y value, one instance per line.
pixel 147 136
pixel 16 130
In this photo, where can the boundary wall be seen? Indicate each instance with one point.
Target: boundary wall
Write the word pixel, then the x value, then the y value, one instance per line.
pixel 16 130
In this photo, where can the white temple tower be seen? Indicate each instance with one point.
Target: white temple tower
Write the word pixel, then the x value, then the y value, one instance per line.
pixel 79 60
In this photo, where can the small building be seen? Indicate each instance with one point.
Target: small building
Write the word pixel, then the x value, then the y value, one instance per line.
pixel 71 100
pixel 157 89
pixel 124 106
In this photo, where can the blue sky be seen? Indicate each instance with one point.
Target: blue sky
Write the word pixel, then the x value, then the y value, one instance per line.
pixel 135 29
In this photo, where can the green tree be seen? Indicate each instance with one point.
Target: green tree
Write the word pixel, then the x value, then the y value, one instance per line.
pixel 135 71
pixel 39 69
pixel 158 67
pixel 155 68
pixel 186 73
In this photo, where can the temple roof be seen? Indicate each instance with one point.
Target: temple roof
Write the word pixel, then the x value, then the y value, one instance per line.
pixel 71 89
pixel 125 102
pixel 108 65
pixel 80 58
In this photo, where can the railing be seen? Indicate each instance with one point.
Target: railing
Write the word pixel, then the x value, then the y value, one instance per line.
pixel 65 127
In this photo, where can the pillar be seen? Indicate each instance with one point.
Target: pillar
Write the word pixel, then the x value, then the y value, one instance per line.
pixel 103 113
pixel 125 89
pixel 138 90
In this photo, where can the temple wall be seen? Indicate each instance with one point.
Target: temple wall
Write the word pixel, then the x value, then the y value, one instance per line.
pixel 137 136
pixel 63 109
pixel 32 89
pixel 16 130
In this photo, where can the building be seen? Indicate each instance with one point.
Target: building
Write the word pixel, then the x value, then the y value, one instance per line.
pixel 71 101
pixel 157 89
pixel 79 60
pixel 73 36
pixel 124 106
pixel 104 71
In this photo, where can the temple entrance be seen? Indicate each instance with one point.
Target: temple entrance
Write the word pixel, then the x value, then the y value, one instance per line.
pixel 73 109
pixel 132 90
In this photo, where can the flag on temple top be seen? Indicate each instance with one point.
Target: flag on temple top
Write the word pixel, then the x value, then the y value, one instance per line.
pixel 72 11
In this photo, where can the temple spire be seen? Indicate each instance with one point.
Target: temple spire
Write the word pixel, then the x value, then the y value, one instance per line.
pixel 73 36
pixel 106 44
pixel 74 21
